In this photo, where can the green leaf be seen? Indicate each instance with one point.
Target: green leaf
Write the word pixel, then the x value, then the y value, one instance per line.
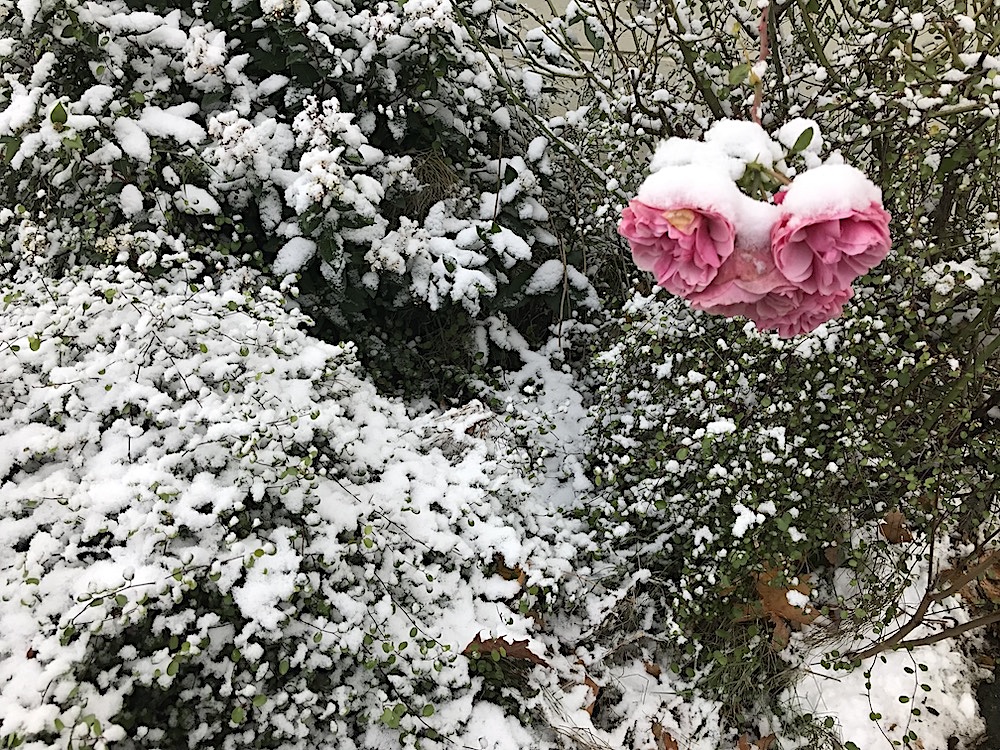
pixel 11 145
pixel 237 715
pixel 597 42
pixel 428 710
pixel 283 667
pixel 58 114
pixel 34 343
pixel 202 348
pixel 259 700
pixel 172 667
pixel 803 141
pixel 738 74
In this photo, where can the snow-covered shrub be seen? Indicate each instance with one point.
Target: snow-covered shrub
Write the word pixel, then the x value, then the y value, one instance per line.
pixel 367 147
pixel 730 464
pixel 217 534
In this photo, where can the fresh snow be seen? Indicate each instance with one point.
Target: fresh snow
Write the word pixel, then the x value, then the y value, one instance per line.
pixel 133 139
pixel 131 200
pixel 293 255
pixel 192 199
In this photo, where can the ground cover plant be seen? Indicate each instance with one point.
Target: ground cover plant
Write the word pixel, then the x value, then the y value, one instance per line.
pixel 336 412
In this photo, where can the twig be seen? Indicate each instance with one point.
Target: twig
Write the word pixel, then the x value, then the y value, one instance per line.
pixel 758 92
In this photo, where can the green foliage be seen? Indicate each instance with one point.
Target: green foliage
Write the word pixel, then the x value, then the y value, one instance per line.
pixel 722 455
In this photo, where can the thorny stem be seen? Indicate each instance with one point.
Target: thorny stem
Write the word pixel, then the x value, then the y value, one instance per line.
pixel 758 93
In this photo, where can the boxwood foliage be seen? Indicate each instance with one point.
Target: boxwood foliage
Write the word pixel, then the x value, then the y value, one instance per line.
pixel 219 535
pixel 367 147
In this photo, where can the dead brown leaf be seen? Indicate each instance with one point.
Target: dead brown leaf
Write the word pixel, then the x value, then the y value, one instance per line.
pixel 894 528
pixel 776 607
pixel 663 739
pixel 508 573
pixel 653 670
pixel 764 743
pixel 506 649
pixel 595 689
pixel 990 590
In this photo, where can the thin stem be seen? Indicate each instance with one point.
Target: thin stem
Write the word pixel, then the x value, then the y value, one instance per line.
pixel 758 93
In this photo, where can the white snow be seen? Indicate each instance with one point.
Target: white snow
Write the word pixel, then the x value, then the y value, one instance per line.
pixel 548 276
pixel 132 139
pixel 745 519
pixel 96 98
pixel 192 199
pixel 173 123
pixel 694 187
pixel 720 427
pixel 743 140
pixel 130 200
pixel 536 149
pixel 830 188
pixel 796 598
pixel 532 83
pixel 293 255
pixel 945 275
pixel 929 690
pixel 792 130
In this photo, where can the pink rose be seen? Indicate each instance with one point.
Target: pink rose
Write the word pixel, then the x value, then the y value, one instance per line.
pixel 683 246
pixel 825 252
pixel 794 312
pixel 747 275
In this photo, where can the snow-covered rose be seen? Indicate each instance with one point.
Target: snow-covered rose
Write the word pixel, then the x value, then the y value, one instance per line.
pixel 682 246
pixel 825 251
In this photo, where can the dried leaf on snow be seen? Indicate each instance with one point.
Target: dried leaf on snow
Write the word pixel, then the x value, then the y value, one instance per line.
pixel 663 739
pixel 775 606
pixel 894 528
pixel 506 649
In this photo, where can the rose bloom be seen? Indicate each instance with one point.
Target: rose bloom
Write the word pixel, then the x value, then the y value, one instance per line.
pixel 749 285
pixel 824 253
pixel 682 246
pixel 794 312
